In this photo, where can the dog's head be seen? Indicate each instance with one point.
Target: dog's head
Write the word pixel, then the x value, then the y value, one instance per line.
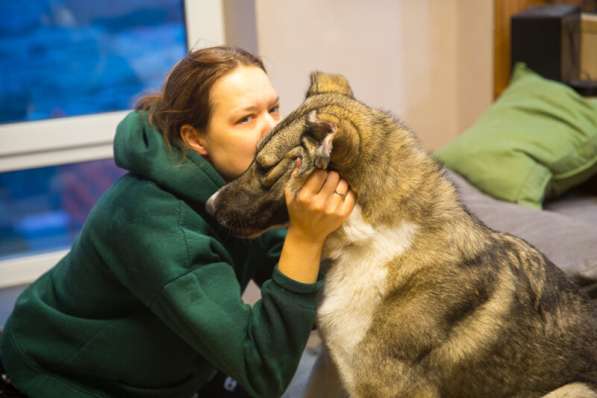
pixel 324 132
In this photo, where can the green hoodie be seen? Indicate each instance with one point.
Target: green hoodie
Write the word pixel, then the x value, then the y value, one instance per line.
pixel 147 303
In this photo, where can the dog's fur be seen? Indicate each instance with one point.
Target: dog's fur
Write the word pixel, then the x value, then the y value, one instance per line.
pixel 421 299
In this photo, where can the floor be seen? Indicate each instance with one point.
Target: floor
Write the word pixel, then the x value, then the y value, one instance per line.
pixel 299 381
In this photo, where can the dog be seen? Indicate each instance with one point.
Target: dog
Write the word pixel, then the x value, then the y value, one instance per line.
pixel 421 299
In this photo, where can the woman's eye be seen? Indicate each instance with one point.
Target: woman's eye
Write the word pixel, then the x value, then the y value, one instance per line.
pixel 245 119
pixel 274 109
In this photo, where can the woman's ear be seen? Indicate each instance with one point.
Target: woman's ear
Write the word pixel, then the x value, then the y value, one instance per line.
pixel 193 139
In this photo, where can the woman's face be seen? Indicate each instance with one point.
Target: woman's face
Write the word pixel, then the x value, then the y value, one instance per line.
pixel 245 107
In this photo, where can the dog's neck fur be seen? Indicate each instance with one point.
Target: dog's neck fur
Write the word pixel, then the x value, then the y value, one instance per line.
pixel 356 233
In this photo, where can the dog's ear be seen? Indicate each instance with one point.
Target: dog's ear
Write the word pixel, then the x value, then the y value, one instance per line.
pixel 330 140
pixel 322 83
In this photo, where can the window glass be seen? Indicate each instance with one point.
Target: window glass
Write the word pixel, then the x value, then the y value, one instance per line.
pixel 75 57
pixel 43 209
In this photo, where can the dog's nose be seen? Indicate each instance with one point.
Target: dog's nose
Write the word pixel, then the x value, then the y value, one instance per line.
pixel 210 204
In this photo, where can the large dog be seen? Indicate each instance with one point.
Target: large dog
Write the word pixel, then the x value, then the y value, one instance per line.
pixel 421 299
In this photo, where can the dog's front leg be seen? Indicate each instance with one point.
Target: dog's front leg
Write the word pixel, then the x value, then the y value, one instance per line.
pixel 324 380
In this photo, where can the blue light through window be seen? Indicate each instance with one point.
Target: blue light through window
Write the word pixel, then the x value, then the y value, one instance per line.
pixel 43 209
pixel 75 57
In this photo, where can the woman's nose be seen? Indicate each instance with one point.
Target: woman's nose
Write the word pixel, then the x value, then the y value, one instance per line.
pixel 269 123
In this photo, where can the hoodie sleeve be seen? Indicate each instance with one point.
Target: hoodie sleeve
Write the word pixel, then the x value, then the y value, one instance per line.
pixel 259 346
pixel 267 254
pixel 186 279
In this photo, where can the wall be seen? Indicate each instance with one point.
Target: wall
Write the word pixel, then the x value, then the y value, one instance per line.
pixel 427 61
pixel 240 24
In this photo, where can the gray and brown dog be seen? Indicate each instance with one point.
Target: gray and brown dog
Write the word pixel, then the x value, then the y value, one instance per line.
pixel 421 299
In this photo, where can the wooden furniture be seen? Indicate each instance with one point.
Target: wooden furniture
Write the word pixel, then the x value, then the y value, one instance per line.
pixel 503 10
pixel 588 51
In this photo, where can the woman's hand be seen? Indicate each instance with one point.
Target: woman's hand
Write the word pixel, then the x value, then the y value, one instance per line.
pixel 320 207
pixel 316 210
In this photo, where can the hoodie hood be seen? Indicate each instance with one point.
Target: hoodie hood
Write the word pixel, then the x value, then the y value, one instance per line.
pixel 140 149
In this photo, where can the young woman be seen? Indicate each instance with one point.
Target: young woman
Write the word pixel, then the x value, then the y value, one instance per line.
pixel 148 301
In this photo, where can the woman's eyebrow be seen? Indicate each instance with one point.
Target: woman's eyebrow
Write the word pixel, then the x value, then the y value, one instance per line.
pixel 253 108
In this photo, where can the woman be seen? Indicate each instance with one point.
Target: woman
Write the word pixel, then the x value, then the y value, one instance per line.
pixel 148 301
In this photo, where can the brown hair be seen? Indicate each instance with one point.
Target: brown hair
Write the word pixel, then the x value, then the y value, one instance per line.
pixel 184 98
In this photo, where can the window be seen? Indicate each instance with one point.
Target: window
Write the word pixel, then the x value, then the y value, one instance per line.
pixel 43 209
pixel 69 58
pixel 71 70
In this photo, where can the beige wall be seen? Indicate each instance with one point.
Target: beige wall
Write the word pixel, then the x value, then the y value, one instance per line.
pixel 427 61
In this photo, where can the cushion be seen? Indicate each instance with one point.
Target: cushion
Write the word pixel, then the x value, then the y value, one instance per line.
pixel 537 140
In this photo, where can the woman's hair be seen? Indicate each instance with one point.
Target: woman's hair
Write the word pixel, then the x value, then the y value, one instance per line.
pixel 184 98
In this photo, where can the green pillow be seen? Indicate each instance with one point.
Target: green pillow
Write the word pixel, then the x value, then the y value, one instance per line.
pixel 537 140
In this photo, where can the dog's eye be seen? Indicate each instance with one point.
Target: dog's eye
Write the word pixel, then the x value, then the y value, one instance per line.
pixel 270 170
pixel 271 176
pixel 263 169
